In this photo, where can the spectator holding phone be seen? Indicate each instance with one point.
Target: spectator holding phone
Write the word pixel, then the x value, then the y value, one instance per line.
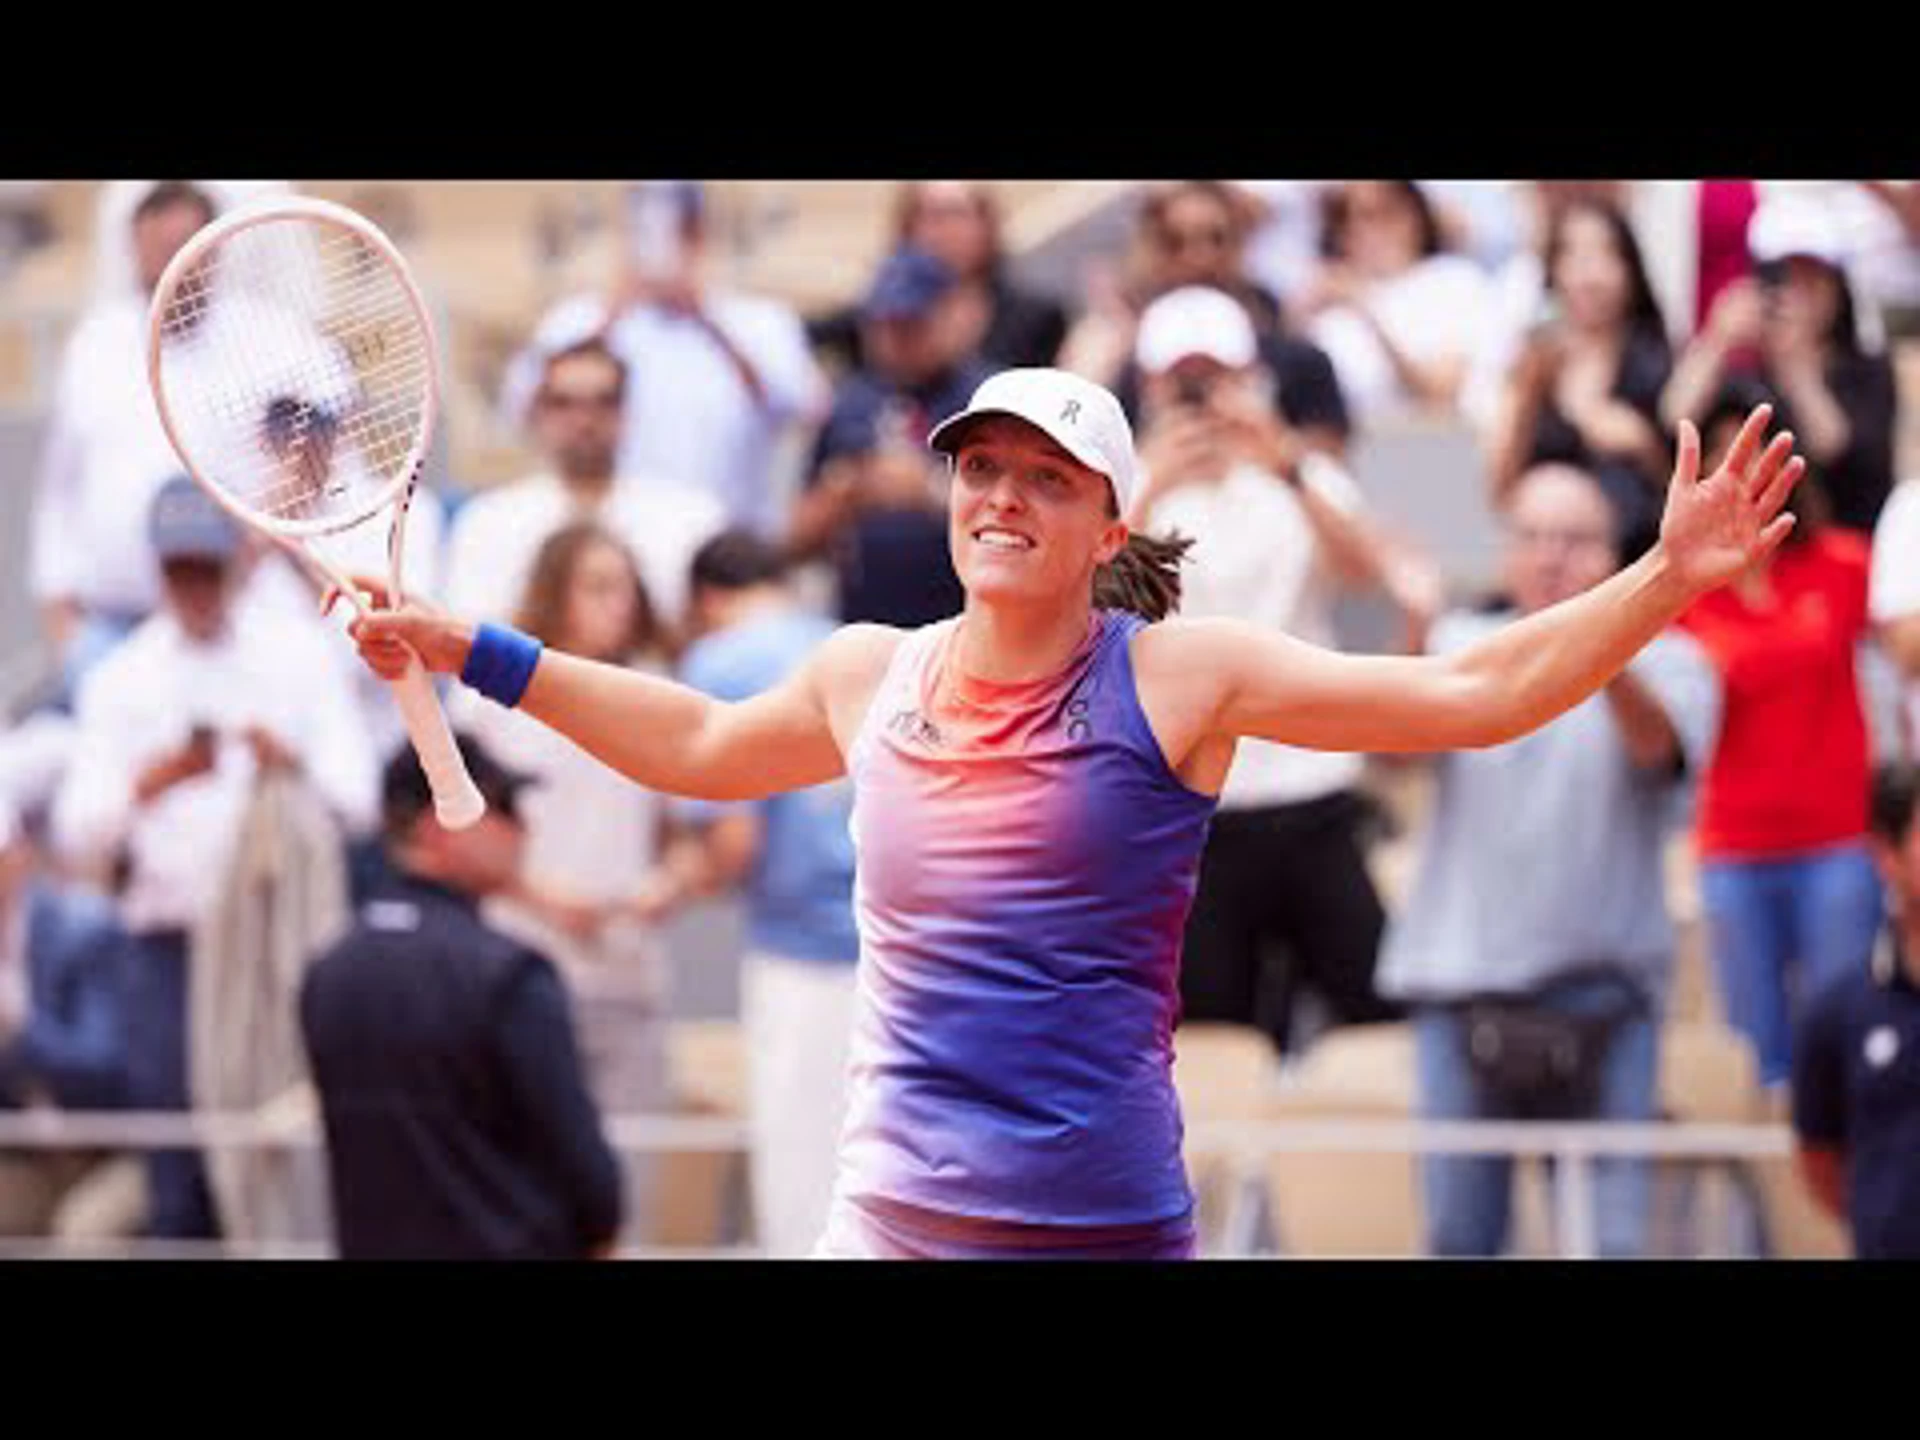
pixel 1277 530
pixel 959 221
pixel 171 729
pixel 1797 322
pixel 1400 315
pixel 1585 388
pixel 715 377
pixel 875 500
pixel 1195 232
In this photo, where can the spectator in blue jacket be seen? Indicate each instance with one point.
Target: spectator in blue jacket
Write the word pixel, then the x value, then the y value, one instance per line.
pixel 61 952
pixel 875 500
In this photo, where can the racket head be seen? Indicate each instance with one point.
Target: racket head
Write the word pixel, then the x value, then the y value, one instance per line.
pixel 294 367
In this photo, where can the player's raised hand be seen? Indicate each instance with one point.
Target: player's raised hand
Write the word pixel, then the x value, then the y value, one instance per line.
pixel 1718 525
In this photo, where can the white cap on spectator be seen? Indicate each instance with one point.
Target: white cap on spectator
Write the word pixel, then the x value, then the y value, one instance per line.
pixel 1195 320
pixel 1784 227
pixel 1082 418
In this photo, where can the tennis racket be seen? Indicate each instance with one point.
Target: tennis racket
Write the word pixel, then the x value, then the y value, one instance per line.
pixel 294 368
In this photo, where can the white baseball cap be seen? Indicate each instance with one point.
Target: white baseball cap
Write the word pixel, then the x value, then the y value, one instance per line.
pixel 1195 320
pixel 1784 227
pixel 1082 418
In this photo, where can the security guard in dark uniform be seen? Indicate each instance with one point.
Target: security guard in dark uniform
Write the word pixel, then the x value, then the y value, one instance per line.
pixel 457 1118
pixel 1856 1073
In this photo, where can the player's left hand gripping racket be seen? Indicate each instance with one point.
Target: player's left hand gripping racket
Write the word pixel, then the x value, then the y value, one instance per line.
pixel 294 369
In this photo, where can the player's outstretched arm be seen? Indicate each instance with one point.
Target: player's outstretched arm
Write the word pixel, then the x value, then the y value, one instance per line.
pixel 1273 687
pixel 659 733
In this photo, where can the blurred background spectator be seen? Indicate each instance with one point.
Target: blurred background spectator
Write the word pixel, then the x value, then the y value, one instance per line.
pixel 1584 389
pixel 105 453
pixel 716 377
pixel 875 502
pixel 1532 1002
pixel 1519 283
pixel 1796 319
pixel 1856 1091
pixel 1400 315
pixel 580 419
pixel 1789 892
pixel 62 1042
pixel 1193 233
pixel 1723 215
pixel 1277 529
pixel 173 727
pixel 591 836
pixel 791 856
pixel 1894 600
pixel 959 222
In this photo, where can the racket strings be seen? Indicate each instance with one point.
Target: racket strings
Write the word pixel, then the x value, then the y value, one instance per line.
pixel 296 370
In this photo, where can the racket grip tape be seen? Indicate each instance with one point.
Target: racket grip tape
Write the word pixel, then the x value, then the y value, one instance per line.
pixel 457 801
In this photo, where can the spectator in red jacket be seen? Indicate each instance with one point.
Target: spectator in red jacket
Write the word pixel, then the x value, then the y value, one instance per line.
pixel 1789 890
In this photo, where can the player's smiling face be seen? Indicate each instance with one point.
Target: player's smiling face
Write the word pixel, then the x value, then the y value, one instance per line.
pixel 1027 521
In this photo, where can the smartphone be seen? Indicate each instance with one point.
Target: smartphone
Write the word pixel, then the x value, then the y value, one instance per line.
pixel 1192 391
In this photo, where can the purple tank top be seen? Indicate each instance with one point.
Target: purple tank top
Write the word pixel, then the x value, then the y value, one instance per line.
pixel 1026 862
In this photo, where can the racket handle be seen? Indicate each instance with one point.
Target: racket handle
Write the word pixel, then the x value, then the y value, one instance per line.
pixel 456 799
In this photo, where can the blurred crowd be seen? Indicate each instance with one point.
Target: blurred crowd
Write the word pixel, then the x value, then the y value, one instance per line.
pixel 210 788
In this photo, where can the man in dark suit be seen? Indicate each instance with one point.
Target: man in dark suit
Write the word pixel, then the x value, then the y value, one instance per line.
pixel 457 1118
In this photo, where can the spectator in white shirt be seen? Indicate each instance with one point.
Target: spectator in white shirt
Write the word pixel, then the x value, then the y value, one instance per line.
pixel 171 729
pixel 716 377
pixel 88 566
pixel 592 836
pixel 1894 599
pixel 1277 529
pixel 1399 315
pixel 581 412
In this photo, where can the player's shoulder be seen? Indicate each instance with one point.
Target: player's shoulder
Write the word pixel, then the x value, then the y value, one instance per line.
pixel 859 651
pixel 1191 641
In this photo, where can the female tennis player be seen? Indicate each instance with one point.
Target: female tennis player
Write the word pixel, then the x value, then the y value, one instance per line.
pixel 1033 780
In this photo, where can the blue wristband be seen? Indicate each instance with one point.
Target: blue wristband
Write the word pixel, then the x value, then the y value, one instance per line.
pixel 500 663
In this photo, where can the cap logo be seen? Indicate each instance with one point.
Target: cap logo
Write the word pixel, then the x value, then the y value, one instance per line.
pixel 1071 414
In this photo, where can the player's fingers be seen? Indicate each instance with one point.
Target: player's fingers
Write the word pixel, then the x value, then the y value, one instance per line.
pixel 1772 537
pixel 1747 442
pixel 1686 467
pixel 1775 495
pixel 1772 459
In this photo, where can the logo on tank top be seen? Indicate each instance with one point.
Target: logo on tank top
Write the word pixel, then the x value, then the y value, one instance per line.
pixel 1079 727
pixel 915 728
